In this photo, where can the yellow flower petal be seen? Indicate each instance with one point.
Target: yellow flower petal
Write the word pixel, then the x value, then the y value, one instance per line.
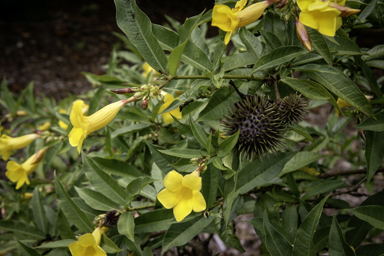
pixel 198 202
pixel 76 112
pixel 192 182
pixel 76 138
pixel 45 126
pixel 251 13
pixel 168 198
pixel 86 246
pixel 104 116
pixel 173 181
pixel 182 210
pixel 240 5
pixel 167 118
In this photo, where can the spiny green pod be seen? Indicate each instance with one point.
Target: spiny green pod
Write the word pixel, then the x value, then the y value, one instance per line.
pixel 292 109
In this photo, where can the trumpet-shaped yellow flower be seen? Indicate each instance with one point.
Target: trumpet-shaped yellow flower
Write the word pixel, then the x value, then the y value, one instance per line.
pixel 182 194
pixel 7 144
pixel 88 244
pixel 319 14
pixel 45 126
pixel 84 125
pixel 229 20
pixel 167 116
pixel 19 172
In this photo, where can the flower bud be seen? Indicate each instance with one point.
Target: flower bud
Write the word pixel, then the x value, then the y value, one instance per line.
pixel 144 104
pixel 160 97
pixel 138 95
pixel 122 91
pixel 303 35
pixel 345 11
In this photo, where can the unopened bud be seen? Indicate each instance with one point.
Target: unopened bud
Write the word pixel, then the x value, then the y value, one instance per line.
pixel 282 3
pixel 145 87
pixel 144 104
pixel 160 97
pixel 303 35
pixel 138 95
pixel 345 11
pixel 122 91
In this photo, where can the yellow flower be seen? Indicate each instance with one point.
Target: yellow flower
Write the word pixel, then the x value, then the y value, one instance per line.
pixel 84 125
pixel 61 123
pixel 45 126
pixel 229 20
pixel 7 144
pixel 21 113
pixel 321 15
pixel 182 194
pixel 19 172
pixel 88 244
pixel 167 116
pixel 147 69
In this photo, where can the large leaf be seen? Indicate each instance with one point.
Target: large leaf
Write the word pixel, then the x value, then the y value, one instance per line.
pixel 254 46
pixel 38 211
pixel 154 221
pixel 279 56
pixel 103 182
pixel 303 245
pixel 320 45
pixel 373 214
pixel 199 133
pixel 276 243
pixel 372 124
pixel 338 83
pixel 210 179
pixel 70 209
pixel 260 172
pixel 162 160
pixel 22 228
pixel 337 244
pixel 138 28
pixel 374 151
pixel 96 200
pixel 181 233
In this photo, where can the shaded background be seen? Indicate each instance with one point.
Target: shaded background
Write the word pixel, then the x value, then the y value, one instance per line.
pixel 52 42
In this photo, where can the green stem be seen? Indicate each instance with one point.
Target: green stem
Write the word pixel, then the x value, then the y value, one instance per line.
pixel 141 207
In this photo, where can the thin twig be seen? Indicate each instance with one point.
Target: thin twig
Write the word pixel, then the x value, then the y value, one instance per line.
pixel 348 190
pixel 346 172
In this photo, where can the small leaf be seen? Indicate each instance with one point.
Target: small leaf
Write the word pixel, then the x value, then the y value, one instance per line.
pixel 301 130
pixel 126 225
pixel 199 133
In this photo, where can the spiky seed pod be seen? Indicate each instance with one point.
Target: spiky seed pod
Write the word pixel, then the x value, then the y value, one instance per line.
pixel 293 108
pixel 260 127
pixel 111 218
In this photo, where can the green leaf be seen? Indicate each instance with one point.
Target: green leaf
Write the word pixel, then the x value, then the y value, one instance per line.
pixel 345 47
pixel 374 152
pixel 135 186
pixel 108 245
pixel 184 152
pixel 276 243
pixel 129 129
pixel 301 159
pixel 7 96
pixel 138 28
pixel 154 221
pixel 324 187
pixel 38 211
pixel 198 132
pixel 367 11
pixel 70 209
pixel 271 40
pixel 371 78
pixel 279 56
pixel 126 225
pixel 239 60
pixel 162 160
pixel 30 98
pixel 260 172
pixel 306 58
pixel 57 244
pixel 116 167
pixel 220 103
pixel 337 244
pixel 63 226
pixel 228 144
pixel 290 220
pixel 338 83
pixel 227 234
pixel 373 214
pixel 96 200
pixel 25 250
pixel 254 46
pixel 22 228
pixel 371 124
pixel 301 130
pixel 320 45
pixel 210 179
pixel 303 245
pixel 103 182
pixel 181 233
pixel 370 250
pixel 376 64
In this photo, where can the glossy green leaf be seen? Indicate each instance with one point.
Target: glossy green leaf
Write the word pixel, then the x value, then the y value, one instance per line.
pixel 103 182
pixel 338 83
pixel 25 250
pixel 301 159
pixel 373 214
pixel 303 245
pixel 153 221
pixel 228 144
pixel 260 172
pixel 279 56
pixel 138 28
pixel 96 200
pixel 22 228
pixel 38 211
pixel 320 45
pixel 254 46
pixel 276 243
pixel 306 58
pixel 181 233
pixel 126 225
pixel 371 124
pixel 184 152
pixel 337 244
pixel 70 209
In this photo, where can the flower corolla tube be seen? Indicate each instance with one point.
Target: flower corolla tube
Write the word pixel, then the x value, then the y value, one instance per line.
pixel 167 116
pixel 229 20
pixel 19 172
pixel 84 125
pixel 88 244
pixel 7 144
pixel 182 194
